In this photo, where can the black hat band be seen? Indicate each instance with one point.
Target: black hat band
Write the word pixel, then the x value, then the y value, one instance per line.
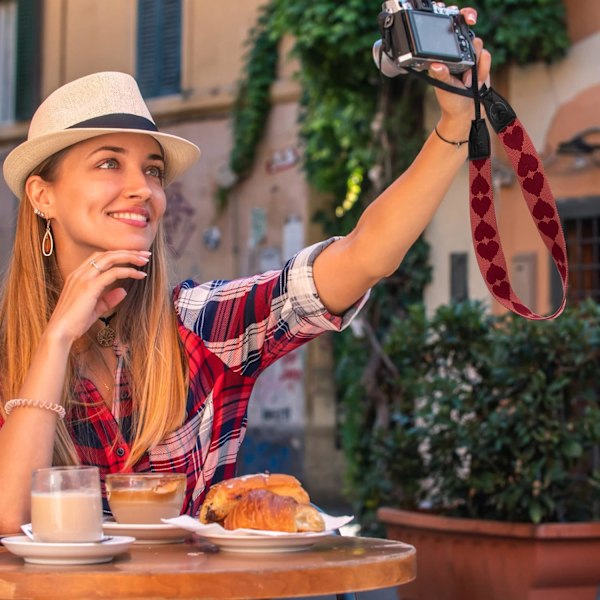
pixel 117 121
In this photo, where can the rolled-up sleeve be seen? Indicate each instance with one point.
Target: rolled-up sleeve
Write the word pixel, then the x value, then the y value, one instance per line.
pixel 303 295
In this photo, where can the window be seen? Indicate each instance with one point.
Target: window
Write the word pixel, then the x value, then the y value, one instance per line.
pixel 8 31
pixel 459 287
pixel 580 219
pixel 159 47
pixel 20 43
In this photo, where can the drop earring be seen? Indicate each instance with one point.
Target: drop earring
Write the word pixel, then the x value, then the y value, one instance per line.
pixel 48 241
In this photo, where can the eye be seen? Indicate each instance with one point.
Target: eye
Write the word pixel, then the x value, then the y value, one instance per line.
pixel 109 163
pixel 156 171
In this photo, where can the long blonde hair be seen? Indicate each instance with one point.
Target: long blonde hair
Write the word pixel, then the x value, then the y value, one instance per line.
pixel 158 371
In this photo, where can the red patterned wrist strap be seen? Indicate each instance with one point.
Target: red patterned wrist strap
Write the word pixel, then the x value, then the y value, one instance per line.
pixel 536 192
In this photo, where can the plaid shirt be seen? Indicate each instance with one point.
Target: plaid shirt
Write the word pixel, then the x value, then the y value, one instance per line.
pixel 231 331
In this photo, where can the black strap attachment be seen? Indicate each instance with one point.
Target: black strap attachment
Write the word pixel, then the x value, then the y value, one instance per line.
pixel 479 140
pixel 499 112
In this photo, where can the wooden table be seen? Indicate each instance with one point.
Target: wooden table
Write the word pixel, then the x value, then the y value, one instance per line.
pixel 195 570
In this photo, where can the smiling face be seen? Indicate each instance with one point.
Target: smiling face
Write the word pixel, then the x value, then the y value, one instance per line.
pixel 106 194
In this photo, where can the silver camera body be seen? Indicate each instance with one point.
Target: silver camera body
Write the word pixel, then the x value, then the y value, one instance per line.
pixel 420 32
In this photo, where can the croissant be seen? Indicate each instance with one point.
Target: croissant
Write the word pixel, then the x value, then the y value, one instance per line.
pixel 223 496
pixel 262 509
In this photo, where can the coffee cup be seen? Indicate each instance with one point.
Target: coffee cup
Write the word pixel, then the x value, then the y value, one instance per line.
pixel 145 498
pixel 66 505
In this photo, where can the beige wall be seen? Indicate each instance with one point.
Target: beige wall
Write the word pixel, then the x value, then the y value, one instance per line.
pixel 583 18
pixel 84 36
pixel 281 195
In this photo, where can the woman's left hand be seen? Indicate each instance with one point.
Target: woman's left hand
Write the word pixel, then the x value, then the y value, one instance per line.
pixel 457 111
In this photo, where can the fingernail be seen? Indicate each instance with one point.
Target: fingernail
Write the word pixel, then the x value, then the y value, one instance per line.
pixel 437 68
pixel 145 252
pixel 471 19
pixel 146 258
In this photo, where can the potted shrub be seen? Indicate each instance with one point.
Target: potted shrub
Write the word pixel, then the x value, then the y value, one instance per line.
pixel 485 452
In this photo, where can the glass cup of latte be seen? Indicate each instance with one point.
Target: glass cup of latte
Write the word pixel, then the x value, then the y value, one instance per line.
pixel 66 505
pixel 145 498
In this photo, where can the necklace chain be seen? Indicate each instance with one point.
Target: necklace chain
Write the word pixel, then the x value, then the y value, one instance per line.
pixel 94 372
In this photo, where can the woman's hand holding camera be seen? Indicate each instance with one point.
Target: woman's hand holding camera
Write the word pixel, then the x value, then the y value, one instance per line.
pixel 458 111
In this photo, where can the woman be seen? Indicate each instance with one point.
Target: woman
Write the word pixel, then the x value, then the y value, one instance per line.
pixel 101 363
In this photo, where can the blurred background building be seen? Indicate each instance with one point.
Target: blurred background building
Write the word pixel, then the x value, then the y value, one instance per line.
pixel 187 56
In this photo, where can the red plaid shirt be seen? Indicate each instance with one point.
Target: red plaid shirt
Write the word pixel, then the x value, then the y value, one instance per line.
pixel 231 331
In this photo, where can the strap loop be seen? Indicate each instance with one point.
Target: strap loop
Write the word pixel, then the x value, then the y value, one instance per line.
pixel 537 194
pixel 541 205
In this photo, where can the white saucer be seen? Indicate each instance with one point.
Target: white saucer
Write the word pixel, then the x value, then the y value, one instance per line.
pixel 42 553
pixel 151 533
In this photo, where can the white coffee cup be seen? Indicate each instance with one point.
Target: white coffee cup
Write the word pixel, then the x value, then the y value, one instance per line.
pixel 66 505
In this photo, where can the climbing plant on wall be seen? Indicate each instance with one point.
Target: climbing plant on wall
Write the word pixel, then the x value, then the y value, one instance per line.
pixel 358 133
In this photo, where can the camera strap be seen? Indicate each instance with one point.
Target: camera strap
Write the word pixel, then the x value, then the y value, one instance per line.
pixel 536 192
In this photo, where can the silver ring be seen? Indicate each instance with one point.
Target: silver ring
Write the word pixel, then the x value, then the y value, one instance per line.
pixel 96 266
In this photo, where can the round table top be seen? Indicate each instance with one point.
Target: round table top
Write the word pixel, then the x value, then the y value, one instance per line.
pixel 195 569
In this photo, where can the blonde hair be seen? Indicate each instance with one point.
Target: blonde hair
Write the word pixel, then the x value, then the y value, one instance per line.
pixel 158 371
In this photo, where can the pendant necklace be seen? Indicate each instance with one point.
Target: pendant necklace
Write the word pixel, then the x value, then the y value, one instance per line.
pixel 98 380
pixel 106 336
pixel 85 367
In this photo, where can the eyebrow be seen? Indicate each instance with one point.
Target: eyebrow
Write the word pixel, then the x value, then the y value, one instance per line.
pixel 119 150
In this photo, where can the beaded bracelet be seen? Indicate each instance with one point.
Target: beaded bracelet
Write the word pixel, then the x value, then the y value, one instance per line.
pixel 15 402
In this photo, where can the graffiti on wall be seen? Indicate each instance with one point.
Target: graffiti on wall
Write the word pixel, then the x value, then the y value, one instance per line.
pixel 281 160
pixel 278 396
pixel 179 220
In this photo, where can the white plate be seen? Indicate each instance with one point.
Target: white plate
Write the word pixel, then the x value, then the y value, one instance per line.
pixel 155 533
pixel 252 540
pixel 42 553
pixel 287 542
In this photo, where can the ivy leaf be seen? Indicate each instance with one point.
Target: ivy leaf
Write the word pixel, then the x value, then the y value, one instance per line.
pixel 572 449
pixel 535 512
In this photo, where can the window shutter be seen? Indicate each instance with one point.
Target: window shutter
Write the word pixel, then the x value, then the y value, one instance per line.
pixel 27 90
pixel 171 50
pixel 159 47
pixel 459 277
pixel 147 45
pixel 8 42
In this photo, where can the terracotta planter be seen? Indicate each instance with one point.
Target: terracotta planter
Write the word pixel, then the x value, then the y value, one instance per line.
pixel 468 559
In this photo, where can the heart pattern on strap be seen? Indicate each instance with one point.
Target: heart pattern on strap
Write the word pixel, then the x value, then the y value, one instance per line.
pixel 541 205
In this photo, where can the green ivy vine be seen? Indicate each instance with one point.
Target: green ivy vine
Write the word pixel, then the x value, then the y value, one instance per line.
pixel 252 104
pixel 358 132
pixel 340 86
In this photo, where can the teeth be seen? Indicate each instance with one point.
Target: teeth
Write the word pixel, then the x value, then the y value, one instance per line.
pixel 129 216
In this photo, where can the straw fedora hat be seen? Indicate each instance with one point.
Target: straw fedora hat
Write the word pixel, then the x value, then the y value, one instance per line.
pixel 107 102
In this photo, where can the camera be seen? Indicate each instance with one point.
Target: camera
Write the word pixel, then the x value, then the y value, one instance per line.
pixel 417 33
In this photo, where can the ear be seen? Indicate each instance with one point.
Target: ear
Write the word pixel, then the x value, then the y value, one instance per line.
pixel 38 193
